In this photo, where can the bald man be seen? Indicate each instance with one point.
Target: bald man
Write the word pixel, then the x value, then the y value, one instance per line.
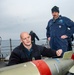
pixel 27 51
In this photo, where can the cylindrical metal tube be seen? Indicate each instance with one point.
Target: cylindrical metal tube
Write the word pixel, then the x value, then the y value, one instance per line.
pixel 40 67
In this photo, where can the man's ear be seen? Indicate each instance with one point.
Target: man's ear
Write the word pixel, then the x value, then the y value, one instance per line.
pixel 30 36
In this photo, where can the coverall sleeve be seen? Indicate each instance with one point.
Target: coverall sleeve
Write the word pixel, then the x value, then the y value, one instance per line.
pixel 48 31
pixel 69 24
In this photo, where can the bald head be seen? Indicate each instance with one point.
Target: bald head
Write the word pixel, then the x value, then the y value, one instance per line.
pixel 25 38
pixel 23 34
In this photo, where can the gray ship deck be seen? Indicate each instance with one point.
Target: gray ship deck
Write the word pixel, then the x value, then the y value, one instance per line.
pixel 2 64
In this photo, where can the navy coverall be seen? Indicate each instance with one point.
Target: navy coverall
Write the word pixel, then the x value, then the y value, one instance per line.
pixel 57 28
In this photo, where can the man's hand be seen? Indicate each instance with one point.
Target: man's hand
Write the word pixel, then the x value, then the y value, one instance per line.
pixel 49 39
pixel 59 52
pixel 64 36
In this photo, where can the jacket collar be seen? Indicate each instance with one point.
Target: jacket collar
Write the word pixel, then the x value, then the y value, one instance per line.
pixel 53 20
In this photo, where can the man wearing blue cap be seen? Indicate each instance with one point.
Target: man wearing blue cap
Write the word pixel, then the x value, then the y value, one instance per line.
pixel 59 28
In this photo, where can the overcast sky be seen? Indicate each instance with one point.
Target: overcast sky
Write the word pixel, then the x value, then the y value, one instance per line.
pixel 17 16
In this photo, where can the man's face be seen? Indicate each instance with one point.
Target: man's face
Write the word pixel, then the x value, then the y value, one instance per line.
pixel 26 39
pixel 55 15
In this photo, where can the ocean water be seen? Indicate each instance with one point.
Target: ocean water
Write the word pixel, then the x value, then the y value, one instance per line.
pixel 5 46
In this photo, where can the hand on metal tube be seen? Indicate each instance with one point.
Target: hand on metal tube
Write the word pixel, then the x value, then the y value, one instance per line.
pixel 59 52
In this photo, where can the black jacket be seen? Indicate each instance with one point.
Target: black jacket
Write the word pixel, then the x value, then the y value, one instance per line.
pixel 19 54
